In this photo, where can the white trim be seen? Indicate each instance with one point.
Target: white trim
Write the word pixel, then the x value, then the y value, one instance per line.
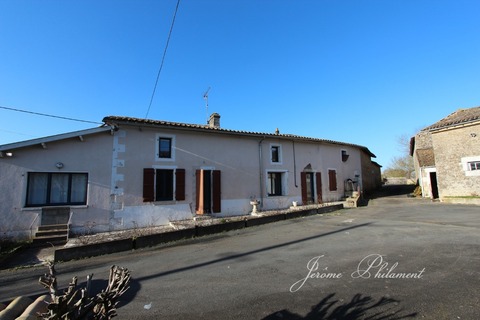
pixel 25 186
pixel 159 166
pixel 174 181
pixel 172 147
pixel 284 181
pixel 465 161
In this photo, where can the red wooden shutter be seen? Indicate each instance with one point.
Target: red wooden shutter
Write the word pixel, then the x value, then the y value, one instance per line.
pixel 197 190
pixel 148 185
pixel 318 184
pixel 332 180
pixel 216 189
pixel 180 184
pixel 303 184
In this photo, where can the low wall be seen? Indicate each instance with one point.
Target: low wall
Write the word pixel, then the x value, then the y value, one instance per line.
pixel 96 249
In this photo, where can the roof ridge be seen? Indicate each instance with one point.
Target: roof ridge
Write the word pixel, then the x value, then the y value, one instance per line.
pixel 460 116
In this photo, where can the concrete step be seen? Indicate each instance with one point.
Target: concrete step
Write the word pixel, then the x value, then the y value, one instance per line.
pixel 50 239
pixel 51 233
pixel 53 227
pixel 56 234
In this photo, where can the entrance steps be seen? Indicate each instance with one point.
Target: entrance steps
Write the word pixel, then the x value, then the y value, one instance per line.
pixel 55 234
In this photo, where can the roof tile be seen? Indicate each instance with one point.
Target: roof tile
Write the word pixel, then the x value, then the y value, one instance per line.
pixel 459 117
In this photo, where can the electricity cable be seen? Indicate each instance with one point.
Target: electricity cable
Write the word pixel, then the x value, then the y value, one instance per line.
pixel 49 115
pixel 163 58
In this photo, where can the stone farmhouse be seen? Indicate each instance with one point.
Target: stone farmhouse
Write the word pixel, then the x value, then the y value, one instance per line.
pixel 447 157
pixel 133 172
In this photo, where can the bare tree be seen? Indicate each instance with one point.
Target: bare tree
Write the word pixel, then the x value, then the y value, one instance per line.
pixel 76 303
pixel 401 166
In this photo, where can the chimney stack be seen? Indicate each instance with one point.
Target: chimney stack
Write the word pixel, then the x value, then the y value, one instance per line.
pixel 214 121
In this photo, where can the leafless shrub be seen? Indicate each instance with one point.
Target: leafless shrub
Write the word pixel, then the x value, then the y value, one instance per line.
pixel 77 303
pixel 88 227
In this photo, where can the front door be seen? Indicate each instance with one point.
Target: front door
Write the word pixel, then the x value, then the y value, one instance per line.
pixel 433 183
pixel 308 188
pixel 208 191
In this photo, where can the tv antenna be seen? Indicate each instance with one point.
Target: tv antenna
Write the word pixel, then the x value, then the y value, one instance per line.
pixel 205 97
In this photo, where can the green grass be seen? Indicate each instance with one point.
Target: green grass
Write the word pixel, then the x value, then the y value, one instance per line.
pixel 463 197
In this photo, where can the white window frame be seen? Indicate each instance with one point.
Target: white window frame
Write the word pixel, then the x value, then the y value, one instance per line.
pixel 284 181
pixel 280 154
pixel 174 181
pixel 465 163
pixel 157 146
pixel 25 192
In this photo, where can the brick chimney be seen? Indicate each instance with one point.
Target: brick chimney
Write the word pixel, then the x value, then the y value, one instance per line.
pixel 214 121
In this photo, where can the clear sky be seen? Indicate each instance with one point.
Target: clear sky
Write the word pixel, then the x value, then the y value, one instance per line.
pixel 363 72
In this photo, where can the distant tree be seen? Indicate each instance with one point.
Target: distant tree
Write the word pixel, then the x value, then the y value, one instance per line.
pixel 401 166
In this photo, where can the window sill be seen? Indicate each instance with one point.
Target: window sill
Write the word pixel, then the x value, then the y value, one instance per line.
pixel 82 206
pixel 165 202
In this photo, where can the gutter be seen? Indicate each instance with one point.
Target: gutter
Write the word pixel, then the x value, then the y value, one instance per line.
pixel 294 165
pixel 260 168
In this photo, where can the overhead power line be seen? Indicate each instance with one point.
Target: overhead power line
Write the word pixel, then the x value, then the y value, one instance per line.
pixel 163 58
pixel 49 115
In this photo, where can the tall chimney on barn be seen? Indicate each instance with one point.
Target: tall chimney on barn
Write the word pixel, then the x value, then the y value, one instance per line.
pixel 214 121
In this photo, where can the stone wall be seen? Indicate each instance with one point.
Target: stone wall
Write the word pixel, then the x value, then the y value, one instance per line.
pixel 451 145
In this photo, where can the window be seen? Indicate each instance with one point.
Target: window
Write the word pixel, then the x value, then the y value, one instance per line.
pixel 471 166
pixel 163 184
pixel 475 165
pixel 165 148
pixel 276 154
pixel 332 180
pixel 345 155
pixel 54 189
pixel 274 187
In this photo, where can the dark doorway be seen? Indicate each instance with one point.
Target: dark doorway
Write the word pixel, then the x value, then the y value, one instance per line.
pixel 433 183
pixel 207 191
pixel 310 188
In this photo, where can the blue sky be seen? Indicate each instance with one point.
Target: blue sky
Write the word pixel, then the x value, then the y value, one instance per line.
pixel 363 72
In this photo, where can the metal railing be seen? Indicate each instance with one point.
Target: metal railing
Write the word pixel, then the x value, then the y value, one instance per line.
pixel 31 225
pixel 68 224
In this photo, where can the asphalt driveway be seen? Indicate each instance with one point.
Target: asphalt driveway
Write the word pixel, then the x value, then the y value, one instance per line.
pixel 396 258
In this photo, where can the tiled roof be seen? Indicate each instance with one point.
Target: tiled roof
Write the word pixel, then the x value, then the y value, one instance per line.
pixel 117 120
pixel 459 117
pixel 426 157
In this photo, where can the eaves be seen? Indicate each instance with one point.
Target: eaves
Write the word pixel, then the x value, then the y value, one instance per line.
pixel 116 121
pixel 44 140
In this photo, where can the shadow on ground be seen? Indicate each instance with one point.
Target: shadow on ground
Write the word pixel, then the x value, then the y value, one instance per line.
pixel 360 307
pixel 391 190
